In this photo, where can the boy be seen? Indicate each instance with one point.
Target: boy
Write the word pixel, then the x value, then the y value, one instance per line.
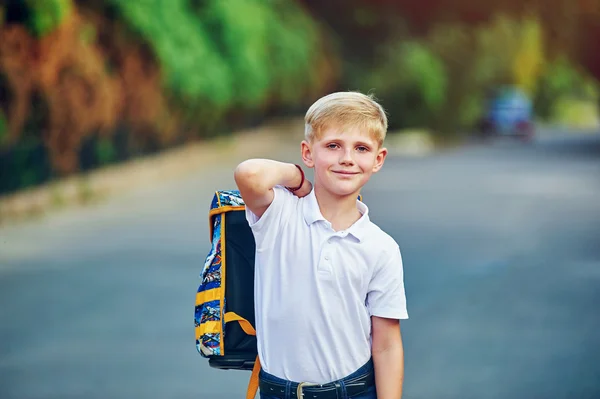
pixel 329 289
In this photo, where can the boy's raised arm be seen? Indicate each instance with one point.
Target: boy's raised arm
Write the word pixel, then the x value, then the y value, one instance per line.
pixel 256 178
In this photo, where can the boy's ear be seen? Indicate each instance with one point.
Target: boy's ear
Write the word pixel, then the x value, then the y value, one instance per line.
pixel 380 159
pixel 306 152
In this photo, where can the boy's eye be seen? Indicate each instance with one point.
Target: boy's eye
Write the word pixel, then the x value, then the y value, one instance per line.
pixel 362 148
pixel 332 146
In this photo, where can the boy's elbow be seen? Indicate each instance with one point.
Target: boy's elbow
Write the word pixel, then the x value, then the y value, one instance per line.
pixel 247 175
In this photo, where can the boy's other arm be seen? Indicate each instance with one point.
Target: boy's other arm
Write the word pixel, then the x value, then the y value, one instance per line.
pixel 388 357
pixel 255 178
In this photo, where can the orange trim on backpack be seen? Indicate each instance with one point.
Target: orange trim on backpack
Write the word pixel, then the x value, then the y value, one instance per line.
pixel 218 211
pixel 222 287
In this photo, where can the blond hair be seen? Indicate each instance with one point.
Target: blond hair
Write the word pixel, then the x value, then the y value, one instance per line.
pixel 346 110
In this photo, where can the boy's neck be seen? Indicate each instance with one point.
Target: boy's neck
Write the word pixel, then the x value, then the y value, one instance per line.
pixel 341 212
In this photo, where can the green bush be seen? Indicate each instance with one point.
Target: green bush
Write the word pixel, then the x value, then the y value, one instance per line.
pixel 271 50
pixel 411 82
pixel 46 15
pixel 192 66
pixel 105 151
pixel 294 50
pixel 561 81
pixel 504 51
pixel 219 56
pixel 467 75
pixel 243 43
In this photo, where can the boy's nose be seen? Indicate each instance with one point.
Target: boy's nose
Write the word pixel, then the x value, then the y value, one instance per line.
pixel 347 157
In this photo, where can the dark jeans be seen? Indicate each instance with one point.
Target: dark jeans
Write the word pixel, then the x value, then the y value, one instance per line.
pixel 371 393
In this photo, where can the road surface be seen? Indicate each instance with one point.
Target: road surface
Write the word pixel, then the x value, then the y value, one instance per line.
pixel 501 246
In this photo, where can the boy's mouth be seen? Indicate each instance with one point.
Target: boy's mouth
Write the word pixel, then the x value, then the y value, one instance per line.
pixel 345 172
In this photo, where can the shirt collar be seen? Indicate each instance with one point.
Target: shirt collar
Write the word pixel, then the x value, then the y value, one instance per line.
pixel 313 214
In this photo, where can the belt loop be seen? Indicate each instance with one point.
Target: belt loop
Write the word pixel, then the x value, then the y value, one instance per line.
pixel 344 392
pixel 340 390
pixel 288 390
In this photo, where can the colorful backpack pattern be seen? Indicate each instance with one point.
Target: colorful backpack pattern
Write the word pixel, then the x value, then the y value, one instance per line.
pixel 213 315
pixel 210 313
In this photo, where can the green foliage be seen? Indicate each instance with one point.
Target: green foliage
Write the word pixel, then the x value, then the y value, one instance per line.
pixel 221 63
pixel 456 46
pixel 222 55
pixel 441 80
pixel 575 113
pixel 105 151
pixel 411 81
pixel 495 47
pixel 46 15
pixel 508 51
pixel 3 128
pixel 224 60
pixel 505 51
pixel 271 50
pixel 192 66
pixel 560 83
pixel 294 49
pixel 424 70
pixel 243 44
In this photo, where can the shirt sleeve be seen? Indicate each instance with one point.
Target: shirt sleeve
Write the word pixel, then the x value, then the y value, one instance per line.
pixel 386 296
pixel 269 225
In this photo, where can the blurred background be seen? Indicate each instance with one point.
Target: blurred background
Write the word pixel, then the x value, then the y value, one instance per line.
pixel 89 83
pixel 492 188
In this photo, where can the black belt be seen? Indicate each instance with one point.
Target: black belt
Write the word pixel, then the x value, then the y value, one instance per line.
pixel 332 390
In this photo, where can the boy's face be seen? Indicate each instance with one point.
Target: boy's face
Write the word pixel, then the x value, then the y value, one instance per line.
pixel 343 160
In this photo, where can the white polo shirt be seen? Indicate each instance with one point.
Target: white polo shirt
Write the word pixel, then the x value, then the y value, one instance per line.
pixel 315 289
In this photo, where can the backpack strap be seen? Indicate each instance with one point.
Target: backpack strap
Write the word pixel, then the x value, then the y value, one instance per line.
pixel 248 329
pixel 245 324
pixel 253 384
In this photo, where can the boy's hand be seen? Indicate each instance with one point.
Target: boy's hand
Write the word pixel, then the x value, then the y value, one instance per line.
pixel 304 190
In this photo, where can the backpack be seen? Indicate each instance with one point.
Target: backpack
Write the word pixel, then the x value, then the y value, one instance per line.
pixel 224 311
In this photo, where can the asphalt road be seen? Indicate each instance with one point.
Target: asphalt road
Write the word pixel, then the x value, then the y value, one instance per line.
pixel 501 246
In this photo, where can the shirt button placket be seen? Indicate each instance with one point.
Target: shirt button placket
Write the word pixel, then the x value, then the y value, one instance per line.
pixel 326 255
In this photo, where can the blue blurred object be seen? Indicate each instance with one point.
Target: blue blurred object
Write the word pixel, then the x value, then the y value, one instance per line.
pixel 509 112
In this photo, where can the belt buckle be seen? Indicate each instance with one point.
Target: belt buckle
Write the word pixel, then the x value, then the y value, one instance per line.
pixel 299 393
